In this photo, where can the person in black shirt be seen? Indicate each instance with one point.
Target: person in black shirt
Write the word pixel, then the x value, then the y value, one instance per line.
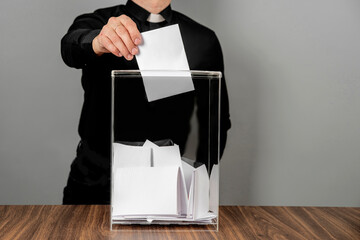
pixel 107 40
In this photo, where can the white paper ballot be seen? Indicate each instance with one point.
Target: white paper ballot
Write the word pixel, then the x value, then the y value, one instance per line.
pixel 146 191
pixel 199 198
pixel 167 156
pixel 163 50
pixel 164 156
pixel 150 144
pixel 214 189
pixel 188 171
pixel 131 156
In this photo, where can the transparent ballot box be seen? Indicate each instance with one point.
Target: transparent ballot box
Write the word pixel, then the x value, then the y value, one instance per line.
pixel 165 150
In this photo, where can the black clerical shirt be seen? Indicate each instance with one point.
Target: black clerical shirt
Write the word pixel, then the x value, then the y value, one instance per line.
pixel 203 52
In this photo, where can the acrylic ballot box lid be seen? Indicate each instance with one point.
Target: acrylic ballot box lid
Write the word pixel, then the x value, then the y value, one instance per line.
pixel 165 150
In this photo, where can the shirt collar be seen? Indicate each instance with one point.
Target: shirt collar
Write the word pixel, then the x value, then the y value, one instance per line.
pixel 141 14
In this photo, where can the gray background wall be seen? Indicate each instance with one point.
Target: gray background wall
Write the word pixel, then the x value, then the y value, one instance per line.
pixel 294 82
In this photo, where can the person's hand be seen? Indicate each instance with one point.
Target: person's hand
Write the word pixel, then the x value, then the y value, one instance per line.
pixel 119 36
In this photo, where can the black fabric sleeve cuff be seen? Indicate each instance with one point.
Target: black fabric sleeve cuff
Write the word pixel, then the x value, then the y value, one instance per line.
pixel 86 43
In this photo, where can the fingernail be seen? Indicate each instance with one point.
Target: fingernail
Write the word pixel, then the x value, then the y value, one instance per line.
pixel 129 57
pixel 120 55
pixel 134 51
pixel 137 41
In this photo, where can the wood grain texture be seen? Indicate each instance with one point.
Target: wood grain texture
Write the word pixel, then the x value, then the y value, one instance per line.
pixel 92 222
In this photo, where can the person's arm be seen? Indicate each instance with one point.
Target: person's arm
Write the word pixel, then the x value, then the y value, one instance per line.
pixel 216 63
pixel 225 122
pixel 92 35
pixel 76 45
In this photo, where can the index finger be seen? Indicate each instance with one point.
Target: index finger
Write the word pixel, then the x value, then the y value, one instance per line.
pixel 131 27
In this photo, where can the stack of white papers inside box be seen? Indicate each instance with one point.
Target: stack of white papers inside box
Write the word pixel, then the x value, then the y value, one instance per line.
pixel 152 183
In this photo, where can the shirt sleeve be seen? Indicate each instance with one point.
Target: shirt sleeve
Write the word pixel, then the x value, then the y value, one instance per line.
pixel 76 45
pixel 225 122
pixel 215 63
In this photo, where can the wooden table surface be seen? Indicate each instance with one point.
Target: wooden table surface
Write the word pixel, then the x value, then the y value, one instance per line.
pixel 236 222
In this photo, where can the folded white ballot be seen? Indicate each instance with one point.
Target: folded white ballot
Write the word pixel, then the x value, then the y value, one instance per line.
pixel 165 155
pixel 199 193
pixel 152 183
pixel 188 172
pixel 214 189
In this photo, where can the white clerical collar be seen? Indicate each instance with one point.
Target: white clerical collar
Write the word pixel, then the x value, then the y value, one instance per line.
pixel 155 18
